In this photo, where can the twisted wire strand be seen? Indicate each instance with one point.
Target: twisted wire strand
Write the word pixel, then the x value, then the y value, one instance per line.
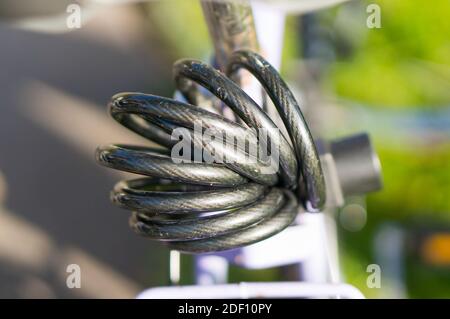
pixel 207 206
pixel 289 110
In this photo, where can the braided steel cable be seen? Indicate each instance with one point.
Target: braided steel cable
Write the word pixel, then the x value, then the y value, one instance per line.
pixel 208 205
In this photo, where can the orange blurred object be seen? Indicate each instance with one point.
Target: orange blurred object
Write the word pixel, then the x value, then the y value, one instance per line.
pixel 436 249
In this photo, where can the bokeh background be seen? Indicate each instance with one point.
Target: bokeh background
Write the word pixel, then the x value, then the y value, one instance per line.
pixel 392 82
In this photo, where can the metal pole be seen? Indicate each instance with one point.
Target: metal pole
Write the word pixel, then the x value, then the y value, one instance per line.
pixel 231 27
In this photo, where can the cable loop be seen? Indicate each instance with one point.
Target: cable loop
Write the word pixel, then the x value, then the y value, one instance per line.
pixel 229 198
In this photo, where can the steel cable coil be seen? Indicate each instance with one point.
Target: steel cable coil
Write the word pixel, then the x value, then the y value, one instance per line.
pixel 208 205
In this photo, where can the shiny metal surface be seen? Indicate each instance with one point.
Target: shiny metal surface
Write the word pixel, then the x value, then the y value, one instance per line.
pixel 204 207
pixel 231 28
pixel 357 164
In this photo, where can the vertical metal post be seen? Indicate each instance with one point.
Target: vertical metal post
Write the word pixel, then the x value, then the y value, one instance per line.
pixel 174 267
pixel 231 28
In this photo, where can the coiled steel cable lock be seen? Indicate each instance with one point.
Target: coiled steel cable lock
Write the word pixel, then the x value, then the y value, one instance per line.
pixel 199 207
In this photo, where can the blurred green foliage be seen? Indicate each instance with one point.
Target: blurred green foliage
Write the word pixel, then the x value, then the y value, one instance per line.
pixel 416 194
pixel 181 24
pixel 405 62
pixel 416 181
